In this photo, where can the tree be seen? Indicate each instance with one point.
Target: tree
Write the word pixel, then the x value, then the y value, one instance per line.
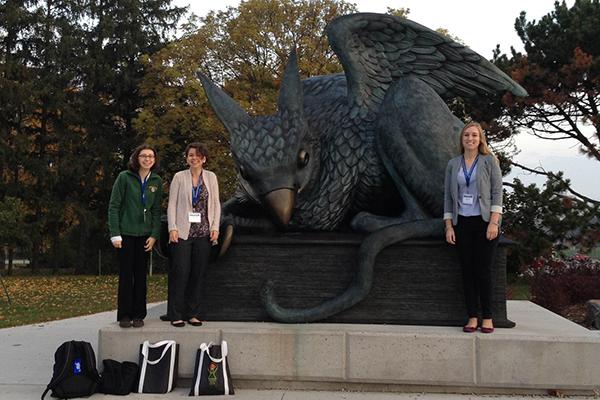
pixel 560 69
pixel 69 75
pixel 244 48
pixel 561 72
pixel 541 221
pixel 12 229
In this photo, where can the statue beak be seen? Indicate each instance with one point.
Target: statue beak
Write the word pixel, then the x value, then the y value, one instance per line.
pixel 281 204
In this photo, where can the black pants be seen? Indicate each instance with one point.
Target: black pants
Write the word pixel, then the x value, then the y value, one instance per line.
pixel 133 265
pixel 189 259
pixel 476 255
pixel 170 288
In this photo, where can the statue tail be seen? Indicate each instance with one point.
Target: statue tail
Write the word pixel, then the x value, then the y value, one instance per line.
pixel 362 281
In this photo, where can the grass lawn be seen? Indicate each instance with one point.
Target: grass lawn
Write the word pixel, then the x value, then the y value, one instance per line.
pixel 48 298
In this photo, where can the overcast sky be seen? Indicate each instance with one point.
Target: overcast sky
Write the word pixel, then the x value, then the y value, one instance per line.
pixel 482 24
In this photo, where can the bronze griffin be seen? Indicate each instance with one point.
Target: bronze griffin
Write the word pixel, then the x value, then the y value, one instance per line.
pixel 366 149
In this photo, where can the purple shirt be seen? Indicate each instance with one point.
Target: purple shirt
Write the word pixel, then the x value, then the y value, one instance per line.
pixel 468 210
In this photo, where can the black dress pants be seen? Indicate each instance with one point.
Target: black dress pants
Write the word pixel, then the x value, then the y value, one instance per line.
pixel 476 256
pixel 189 261
pixel 133 266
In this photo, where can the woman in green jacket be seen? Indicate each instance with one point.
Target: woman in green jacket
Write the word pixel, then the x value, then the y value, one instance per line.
pixel 134 224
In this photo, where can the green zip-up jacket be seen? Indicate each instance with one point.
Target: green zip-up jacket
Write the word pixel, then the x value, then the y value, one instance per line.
pixel 126 214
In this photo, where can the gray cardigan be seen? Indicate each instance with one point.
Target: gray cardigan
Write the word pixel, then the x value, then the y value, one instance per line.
pixel 180 202
pixel 489 185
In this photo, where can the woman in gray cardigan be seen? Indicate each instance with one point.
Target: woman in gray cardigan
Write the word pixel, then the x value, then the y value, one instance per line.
pixel 193 215
pixel 472 210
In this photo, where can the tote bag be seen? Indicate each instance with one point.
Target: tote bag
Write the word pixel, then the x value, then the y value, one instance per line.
pixel 211 373
pixel 158 366
pixel 118 378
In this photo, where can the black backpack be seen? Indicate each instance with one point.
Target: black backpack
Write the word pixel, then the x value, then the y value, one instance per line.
pixel 75 373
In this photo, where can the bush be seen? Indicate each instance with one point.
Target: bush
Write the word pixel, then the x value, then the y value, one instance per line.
pixel 557 283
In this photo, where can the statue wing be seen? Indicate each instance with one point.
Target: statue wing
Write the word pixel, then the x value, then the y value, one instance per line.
pixel 377 49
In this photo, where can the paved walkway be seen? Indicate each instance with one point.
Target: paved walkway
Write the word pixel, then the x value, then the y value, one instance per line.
pixel 27 352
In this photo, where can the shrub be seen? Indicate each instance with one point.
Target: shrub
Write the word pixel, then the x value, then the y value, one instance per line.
pixel 557 283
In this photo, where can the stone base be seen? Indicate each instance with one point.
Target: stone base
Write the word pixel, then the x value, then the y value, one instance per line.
pixel 544 352
pixel 414 282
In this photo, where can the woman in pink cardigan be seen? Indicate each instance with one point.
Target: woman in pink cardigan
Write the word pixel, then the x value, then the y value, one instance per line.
pixel 193 213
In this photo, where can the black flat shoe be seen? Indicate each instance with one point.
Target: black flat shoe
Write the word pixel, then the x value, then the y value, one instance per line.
pixel 165 317
pixel 138 323
pixel 195 323
pixel 125 323
pixel 178 324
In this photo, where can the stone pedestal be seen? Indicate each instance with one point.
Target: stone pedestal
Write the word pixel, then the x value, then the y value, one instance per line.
pixel 414 283
pixel 544 352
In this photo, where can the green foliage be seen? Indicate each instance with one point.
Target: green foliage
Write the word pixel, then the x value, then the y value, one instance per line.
pixel 398 12
pixel 540 220
pixel 12 227
pixel 69 72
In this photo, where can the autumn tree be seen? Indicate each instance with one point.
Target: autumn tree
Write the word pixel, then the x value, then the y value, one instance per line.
pixel 242 48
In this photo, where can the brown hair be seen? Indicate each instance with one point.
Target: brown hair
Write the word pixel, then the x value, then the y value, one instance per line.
pixel 200 148
pixel 483 146
pixel 134 162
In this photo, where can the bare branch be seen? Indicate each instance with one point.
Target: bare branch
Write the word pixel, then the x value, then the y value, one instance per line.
pixel 541 171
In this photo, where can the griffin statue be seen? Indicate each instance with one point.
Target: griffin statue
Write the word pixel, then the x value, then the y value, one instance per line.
pixel 366 149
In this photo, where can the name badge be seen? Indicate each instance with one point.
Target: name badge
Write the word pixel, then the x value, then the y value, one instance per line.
pixel 195 217
pixel 468 199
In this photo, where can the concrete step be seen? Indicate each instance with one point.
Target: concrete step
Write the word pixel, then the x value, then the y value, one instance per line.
pixel 544 352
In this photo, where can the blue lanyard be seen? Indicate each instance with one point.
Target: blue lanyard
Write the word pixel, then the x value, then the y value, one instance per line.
pixel 197 190
pixel 143 184
pixel 470 172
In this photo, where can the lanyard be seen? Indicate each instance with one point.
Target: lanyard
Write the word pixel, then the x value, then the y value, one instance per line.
pixel 470 172
pixel 196 190
pixel 143 184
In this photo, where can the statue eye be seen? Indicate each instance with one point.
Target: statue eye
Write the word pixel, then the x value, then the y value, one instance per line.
pixel 303 158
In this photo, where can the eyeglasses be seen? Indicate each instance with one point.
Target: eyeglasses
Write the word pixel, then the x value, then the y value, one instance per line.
pixel 149 156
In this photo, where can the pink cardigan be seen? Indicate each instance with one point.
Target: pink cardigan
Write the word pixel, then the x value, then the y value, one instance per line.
pixel 180 202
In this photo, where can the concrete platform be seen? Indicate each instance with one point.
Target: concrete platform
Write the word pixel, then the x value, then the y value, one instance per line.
pixel 544 352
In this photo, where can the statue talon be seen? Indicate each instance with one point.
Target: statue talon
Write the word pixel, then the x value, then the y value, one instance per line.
pixel 375 139
pixel 368 222
pixel 225 238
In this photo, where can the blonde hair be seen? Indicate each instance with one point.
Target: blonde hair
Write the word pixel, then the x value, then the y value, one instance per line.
pixel 483 146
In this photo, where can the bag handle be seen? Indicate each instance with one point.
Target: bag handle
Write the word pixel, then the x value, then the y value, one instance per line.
pixel 206 347
pixel 147 345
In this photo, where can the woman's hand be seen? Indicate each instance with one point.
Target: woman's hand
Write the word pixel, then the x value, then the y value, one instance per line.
pixel 492 231
pixel 117 244
pixel 214 235
pixel 149 244
pixel 173 236
pixel 450 236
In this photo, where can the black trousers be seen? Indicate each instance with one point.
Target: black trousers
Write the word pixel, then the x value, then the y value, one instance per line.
pixel 133 266
pixel 189 259
pixel 476 255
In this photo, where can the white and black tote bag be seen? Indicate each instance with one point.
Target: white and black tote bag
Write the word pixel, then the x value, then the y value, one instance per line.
pixel 158 366
pixel 211 373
